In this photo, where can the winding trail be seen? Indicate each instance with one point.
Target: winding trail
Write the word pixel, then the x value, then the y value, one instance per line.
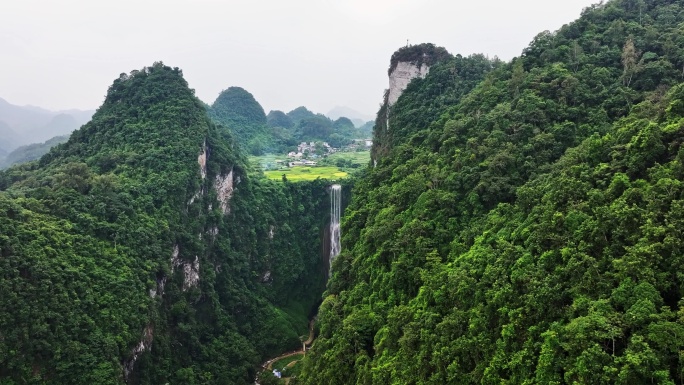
pixel 310 340
pixel 268 365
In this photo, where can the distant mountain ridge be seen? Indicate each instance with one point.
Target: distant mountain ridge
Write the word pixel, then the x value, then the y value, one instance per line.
pixel 22 125
pixel 358 118
pixel 237 111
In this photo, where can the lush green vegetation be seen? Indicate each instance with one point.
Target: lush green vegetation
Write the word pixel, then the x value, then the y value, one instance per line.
pixel 121 262
pixel 285 362
pixel 329 167
pixel 278 132
pixel 302 125
pixel 348 160
pixel 237 110
pixel 523 223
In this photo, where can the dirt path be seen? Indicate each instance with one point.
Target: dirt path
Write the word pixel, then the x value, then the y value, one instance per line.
pixel 268 365
pixel 311 333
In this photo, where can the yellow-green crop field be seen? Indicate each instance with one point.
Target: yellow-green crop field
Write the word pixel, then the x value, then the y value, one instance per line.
pixel 302 173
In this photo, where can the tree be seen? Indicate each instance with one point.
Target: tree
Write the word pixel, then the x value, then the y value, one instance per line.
pixel 629 61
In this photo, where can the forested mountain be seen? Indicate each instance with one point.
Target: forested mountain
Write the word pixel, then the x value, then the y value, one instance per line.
pixel 523 222
pixel 237 110
pixel 303 125
pixel 141 251
pixel 257 133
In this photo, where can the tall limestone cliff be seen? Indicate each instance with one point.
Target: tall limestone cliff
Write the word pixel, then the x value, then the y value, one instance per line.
pixel 408 67
pixel 411 62
pixel 401 76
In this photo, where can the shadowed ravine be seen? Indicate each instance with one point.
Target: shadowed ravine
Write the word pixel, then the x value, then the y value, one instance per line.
pixel 335 248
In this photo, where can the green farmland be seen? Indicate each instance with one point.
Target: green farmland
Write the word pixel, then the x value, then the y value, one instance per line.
pixel 302 173
pixel 335 166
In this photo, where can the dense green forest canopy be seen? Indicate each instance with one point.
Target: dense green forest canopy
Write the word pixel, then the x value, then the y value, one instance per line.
pixel 308 126
pixel 141 250
pixel 523 222
pixel 278 118
pixel 238 111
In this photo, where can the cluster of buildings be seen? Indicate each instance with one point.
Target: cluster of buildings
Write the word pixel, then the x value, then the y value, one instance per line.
pixel 303 162
pixel 305 150
pixel 309 148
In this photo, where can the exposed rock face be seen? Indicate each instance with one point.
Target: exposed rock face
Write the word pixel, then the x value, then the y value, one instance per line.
pixel 266 277
pixel 144 345
pixel 224 190
pixel 191 274
pixel 401 76
pixel 195 197
pixel 190 269
pixel 213 232
pixel 161 282
pixel 175 260
pixel 202 160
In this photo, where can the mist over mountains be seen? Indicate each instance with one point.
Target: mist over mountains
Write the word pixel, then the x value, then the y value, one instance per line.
pixel 358 118
pixel 21 125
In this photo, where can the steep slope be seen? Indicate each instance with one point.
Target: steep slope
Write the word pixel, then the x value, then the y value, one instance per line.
pixel 140 251
pixel 278 118
pixel 475 252
pixel 282 129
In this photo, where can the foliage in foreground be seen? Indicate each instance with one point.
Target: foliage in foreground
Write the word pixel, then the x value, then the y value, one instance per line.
pixel 528 231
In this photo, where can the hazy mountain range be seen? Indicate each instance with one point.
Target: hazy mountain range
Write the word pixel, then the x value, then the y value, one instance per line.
pixel 358 118
pixel 21 125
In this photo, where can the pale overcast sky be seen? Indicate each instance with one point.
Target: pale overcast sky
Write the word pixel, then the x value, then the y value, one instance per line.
pixel 318 53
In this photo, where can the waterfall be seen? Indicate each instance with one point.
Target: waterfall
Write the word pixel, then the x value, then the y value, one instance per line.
pixel 335 211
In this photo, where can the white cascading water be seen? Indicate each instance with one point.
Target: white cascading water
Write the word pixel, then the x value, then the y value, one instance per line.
pixel 335 211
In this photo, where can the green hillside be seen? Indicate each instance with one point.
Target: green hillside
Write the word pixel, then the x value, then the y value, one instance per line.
pixel 522 226
pixel 238 111
pixel 517 222
pixel 141 252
